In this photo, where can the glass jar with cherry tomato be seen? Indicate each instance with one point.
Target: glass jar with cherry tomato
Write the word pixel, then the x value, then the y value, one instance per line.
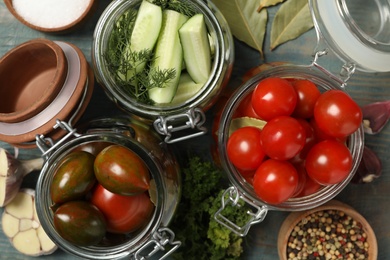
pixel 264 153
pixel 311 138
pixel 136 224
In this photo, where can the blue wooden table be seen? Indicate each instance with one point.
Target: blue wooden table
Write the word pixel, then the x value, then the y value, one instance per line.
pixel 371 200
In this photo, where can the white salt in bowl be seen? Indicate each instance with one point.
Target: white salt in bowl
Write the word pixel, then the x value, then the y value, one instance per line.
pixel 60 16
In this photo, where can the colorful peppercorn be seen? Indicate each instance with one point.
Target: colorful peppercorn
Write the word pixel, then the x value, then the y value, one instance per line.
pixel 327 234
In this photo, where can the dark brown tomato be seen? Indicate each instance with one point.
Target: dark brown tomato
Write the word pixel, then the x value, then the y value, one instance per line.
pixel 121 171
pixel 74 178
pixel 80 223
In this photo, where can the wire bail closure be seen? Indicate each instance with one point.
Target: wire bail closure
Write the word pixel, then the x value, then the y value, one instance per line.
pixel 161 238
pixel 47 145
pixel 346 72
pixel 233 197
pixel 192 119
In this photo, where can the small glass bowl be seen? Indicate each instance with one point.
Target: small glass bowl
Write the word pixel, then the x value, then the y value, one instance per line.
pixel 164 171
pixel 221 66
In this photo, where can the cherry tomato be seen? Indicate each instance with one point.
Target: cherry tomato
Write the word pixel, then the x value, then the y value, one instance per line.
pixel 246 109
pixel 337 114
pixel 274 97
pixel 282 138
pixel 247 175
pixel 244 149
pixel 308 94
pixel 302 176
pixel 309 188
pixel 328 162
pixel 309 141
pixel 321 135
pixel 275 181
pixel 123 213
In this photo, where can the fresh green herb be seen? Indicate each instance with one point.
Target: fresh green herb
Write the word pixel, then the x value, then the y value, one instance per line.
pixel 194 225
pixel 177 5
pixel 122 62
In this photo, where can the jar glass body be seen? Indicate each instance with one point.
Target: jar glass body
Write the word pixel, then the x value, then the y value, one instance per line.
pixel 324 81
pixel 163 168
pixel 221 66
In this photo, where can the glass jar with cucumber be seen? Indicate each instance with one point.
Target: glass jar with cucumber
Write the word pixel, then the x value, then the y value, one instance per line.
pixel 164 61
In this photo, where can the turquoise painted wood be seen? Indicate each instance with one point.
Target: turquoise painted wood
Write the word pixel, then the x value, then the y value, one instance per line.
pixel 371 200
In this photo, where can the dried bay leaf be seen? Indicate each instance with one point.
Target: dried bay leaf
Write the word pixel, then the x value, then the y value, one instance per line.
pixel 239 122
pixel 268 3
pixel 246 24
pixel 291 20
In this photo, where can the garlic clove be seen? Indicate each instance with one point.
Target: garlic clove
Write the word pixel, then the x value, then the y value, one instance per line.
pixel 12 172
pixel 11 177
pixel 21 225
pixel 370 167
pixel 375 116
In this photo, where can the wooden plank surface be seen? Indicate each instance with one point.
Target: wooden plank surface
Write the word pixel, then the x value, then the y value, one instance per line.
pixel 371 200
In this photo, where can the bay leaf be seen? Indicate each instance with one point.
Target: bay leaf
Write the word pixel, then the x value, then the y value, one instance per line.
pixel 246 24
pixel 268 3
pixel 239 122
pixel 292 19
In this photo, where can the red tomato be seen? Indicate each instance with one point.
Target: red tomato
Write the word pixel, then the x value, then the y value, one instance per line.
pixel 302 176
pixel 309 141
pixel 321 135
pixel 275 181
pixel 309 188
pixel 245 108
pixel 245 174
pixel 337 114
pixel 124 214
pixel 308 94
pixel 282 138
pixel 328 162
pixel 243 148
pixel 274 97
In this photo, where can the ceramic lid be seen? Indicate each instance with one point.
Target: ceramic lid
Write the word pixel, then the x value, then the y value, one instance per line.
pixel 69 104
pixel 356 30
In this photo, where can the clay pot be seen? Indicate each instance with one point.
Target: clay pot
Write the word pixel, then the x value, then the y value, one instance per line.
pixel 294 218
pixel 53 82
pixel 73 25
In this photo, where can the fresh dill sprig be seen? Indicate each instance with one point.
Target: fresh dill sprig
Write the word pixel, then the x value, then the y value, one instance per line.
pixel 184 7
pixel 158 78
pixel 122 62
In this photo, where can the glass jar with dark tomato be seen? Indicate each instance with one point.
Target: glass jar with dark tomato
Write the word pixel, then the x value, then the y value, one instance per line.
pixel 153 236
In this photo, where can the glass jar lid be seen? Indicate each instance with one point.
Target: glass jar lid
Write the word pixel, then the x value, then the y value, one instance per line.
pixel 358 31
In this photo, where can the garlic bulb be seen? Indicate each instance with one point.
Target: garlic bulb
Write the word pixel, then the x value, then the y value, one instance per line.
pixel 21 225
